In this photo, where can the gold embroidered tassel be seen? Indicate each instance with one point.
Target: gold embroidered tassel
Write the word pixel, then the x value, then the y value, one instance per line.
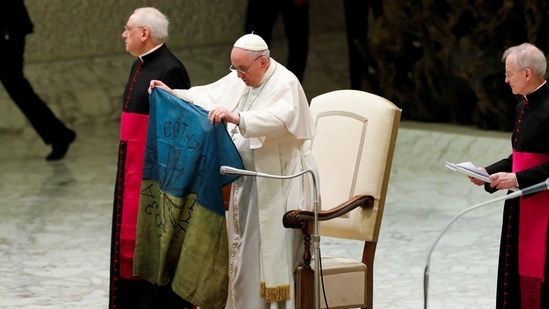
pixel 275 293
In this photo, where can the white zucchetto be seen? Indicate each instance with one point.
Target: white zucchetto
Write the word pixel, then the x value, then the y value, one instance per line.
pixel 252 42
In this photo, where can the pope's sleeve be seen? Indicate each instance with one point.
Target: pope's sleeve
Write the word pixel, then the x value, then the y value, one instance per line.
pixel 184 94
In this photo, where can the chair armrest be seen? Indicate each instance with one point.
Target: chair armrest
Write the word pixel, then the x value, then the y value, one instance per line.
pixel 297 219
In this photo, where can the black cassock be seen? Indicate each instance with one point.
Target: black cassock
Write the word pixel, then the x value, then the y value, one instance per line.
pixel 127 292
pixel 530 136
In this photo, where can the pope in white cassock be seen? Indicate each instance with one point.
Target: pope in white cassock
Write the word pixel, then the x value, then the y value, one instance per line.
pixel 267 114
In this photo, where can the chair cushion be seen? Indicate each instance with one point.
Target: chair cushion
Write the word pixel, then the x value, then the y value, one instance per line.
pixel 344 283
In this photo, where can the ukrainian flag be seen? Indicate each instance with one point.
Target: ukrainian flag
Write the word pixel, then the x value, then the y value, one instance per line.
pixel 181 229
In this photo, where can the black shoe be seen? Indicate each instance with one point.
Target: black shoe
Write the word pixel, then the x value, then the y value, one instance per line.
pixel 60 148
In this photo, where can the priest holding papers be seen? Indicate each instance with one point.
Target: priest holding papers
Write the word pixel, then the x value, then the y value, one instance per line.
pixel 523 271
pixel 470 170
pixel 268 118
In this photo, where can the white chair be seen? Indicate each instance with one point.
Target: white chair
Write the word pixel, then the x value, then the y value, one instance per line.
pixel 353 149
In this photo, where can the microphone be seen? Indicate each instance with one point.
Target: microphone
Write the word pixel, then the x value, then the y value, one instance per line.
pixel 542 186
pixel 228 170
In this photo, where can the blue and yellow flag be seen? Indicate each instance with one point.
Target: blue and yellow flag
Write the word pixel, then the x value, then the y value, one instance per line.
pixel 181 229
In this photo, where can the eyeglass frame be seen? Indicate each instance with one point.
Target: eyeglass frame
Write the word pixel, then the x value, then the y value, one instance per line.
pixel 232 68
pixel 128 28
pixel 510 74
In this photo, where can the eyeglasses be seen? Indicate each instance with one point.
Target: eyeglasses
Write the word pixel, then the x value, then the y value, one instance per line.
pixel 128 28
pixel 245 70
pixel 510 74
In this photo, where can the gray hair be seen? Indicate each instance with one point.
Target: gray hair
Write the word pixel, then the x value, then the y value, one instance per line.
pixel 154 20
pixel 257 54
pixel 528 56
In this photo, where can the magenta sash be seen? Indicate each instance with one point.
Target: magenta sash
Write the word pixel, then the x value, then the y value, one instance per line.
pixel 133 131
pixel 534 218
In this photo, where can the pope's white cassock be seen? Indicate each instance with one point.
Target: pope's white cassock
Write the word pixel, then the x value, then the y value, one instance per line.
pixel 275 125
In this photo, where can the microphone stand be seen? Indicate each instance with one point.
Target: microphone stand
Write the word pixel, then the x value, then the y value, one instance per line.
pixel 529 190
pixel 227 170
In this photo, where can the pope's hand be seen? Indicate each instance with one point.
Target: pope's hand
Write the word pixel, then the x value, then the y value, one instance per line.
pixel 220 114
pixel 156 83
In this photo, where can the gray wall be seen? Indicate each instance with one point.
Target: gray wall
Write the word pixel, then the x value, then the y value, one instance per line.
pixel 87 28
pixel 84 28
pixel 77 63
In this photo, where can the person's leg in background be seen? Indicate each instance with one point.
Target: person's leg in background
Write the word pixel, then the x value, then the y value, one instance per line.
pixel 52 131
pixel 296 25
pixel 356 22
pixel 261 16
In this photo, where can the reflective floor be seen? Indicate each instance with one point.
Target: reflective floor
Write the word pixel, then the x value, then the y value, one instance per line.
pixel 55 217
pixel 55 221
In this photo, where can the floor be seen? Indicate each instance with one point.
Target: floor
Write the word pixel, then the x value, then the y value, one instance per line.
pixel 56 217
pixel 55 222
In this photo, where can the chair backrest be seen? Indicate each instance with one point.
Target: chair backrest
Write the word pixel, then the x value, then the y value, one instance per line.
pixel 353 149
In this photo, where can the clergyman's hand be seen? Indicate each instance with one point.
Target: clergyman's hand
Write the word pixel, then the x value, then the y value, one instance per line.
pixel 503 181
pixel 477 181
